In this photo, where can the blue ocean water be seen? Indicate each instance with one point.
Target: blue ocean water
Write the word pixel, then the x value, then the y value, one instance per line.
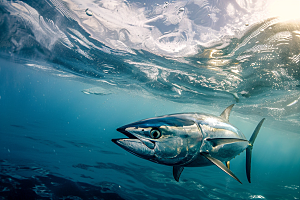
pixel 71 72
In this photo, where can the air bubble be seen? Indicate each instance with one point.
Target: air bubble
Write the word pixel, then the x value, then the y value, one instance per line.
pixel 89 12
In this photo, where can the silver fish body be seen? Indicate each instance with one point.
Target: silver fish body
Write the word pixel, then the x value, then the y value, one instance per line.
pixel 186 140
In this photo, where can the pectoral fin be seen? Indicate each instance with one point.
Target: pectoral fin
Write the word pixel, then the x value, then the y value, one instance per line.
pixel 177 170
pixel 219 141
pixel 220 165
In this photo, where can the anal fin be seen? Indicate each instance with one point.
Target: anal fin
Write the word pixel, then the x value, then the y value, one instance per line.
pixel 177 170
pixel 219 164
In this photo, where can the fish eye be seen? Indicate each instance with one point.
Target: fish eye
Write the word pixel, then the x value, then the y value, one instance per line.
pixel 155 133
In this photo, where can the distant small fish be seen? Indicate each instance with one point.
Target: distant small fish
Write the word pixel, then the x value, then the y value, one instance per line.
pixel 97 91
pixel 18 126
pixel 294 102
pixel 188 140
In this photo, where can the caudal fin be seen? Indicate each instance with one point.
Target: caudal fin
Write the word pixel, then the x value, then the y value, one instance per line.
pixel 249 149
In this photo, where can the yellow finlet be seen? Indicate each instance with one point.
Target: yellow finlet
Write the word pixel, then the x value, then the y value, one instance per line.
pixel 228 164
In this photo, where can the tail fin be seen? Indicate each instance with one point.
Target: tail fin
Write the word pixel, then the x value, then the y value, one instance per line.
pixel 249 149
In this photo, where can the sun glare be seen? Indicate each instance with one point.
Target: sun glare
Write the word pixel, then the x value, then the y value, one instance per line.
pixel 285 9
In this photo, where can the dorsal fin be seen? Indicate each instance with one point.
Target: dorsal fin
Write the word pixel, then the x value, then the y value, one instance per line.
pixel 225 114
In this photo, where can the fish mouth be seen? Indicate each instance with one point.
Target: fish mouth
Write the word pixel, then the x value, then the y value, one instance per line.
pixel 120 141
pixel 126 133
pixel 134 145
